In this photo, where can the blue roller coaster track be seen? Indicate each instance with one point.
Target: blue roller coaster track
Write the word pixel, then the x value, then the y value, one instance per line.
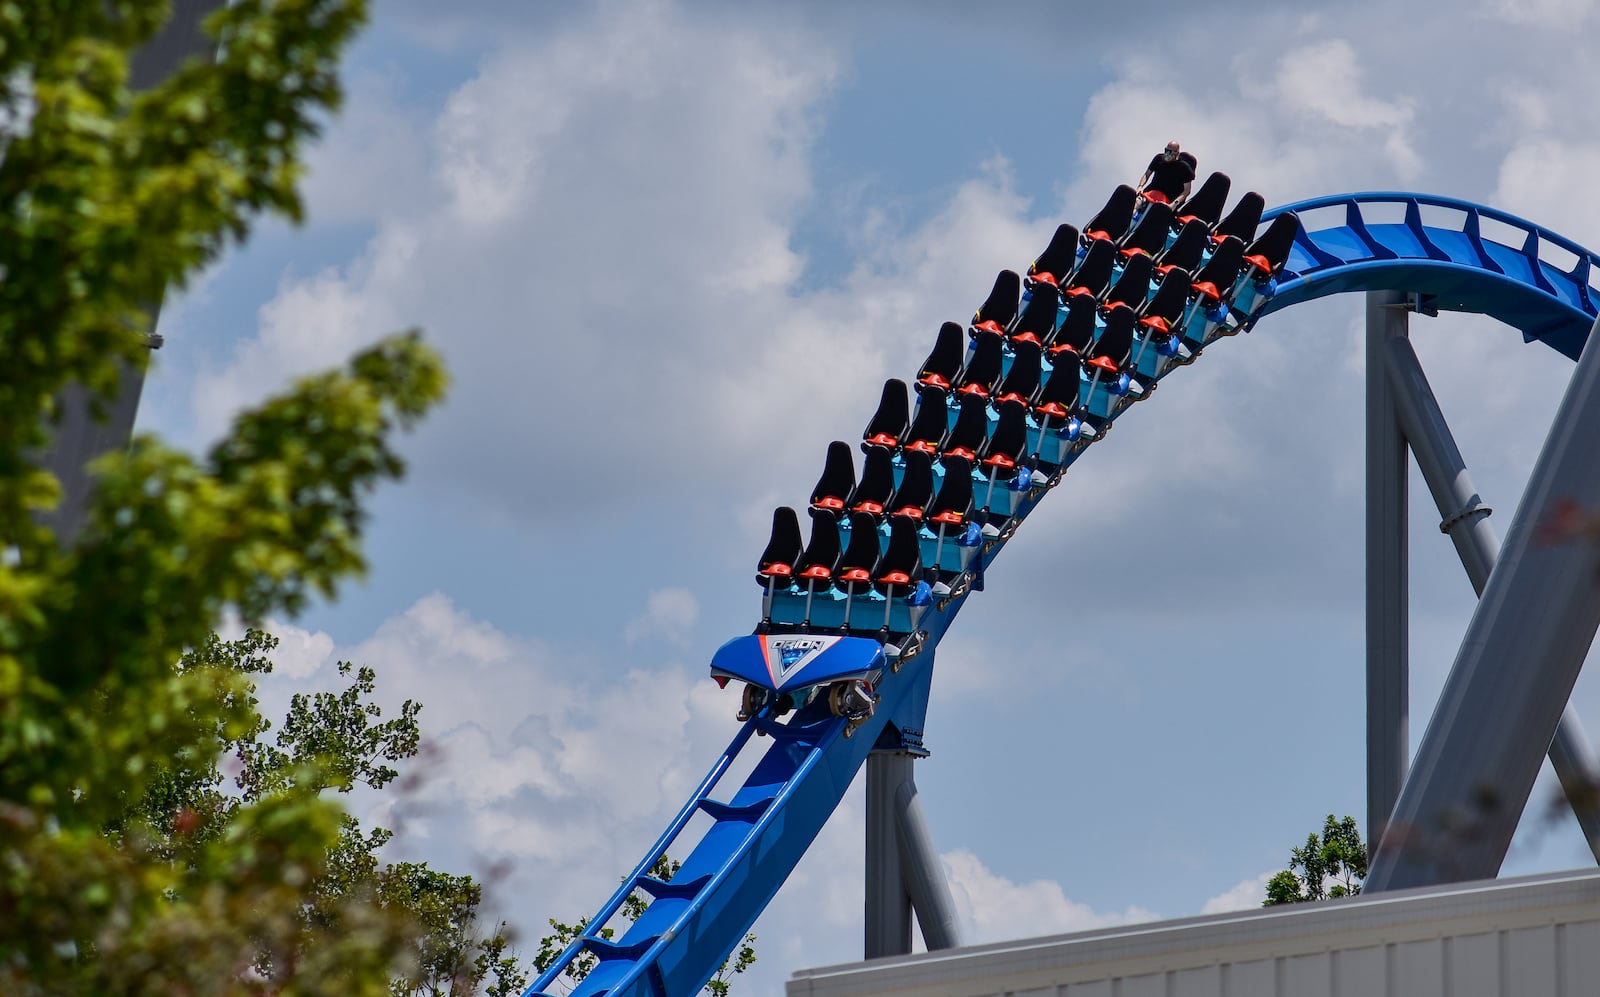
pixel 1451 254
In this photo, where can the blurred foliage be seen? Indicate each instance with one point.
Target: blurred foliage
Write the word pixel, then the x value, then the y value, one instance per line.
pixel 126 867
pixel 329 741
pixel 1568 522
pixel 1330 865
pixel 633 906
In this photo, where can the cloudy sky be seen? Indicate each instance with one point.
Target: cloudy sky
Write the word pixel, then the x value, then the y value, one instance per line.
pixel 670 250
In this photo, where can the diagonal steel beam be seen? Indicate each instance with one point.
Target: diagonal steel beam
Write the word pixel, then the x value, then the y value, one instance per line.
pixel 904 873
pixel 1514 673
pixel 923 873
pixel 1465 519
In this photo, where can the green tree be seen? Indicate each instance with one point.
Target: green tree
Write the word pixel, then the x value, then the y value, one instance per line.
pixel 1330 865
pixel 633 905
pixel 326 742
pixel 108 197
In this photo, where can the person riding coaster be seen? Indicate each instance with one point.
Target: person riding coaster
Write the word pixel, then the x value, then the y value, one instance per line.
pixel 1168 177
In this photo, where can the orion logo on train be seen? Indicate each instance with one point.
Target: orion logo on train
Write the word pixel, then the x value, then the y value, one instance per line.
pixel 793 652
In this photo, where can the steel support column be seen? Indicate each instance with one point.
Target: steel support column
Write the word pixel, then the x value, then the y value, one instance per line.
pixel 78 436
pixel 1465 519
pixel 904 873
pixel 1388 669
pixel 888 907
pixel 1515 670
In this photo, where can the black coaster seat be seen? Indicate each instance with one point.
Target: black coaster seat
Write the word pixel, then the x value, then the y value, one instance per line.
pixel 890 421
pixel 1021 382
pixel 1166 307
pixel 821 555
pixel 971 429
pixel 1215 280
pixel 1094 272
pixel 1007 446
pixel 1243 220
pixel 861 554
pixel 953 505
pixel 1186 251
pixel 943 365
pixel 931 423
pixel 1111 222
pixel 1058 258
pixel 950 518
pixel 1111 350
pixel 912 498
pixel 1131 288
pixel 838 479
pixel 1149 236
pixel 1037 322
pixel 876 487
pixel 1267 255
pixel 983 367
pixel 901 564
pixel 784 547
pixel 1205 204
pixel 1058 399
pixel 1077 329
pixel 999 309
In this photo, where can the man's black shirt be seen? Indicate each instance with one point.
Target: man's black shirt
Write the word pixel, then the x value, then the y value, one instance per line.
pixel 1169 175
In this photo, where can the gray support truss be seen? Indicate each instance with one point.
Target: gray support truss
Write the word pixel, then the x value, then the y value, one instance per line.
pixel 1388 597
pixel 1576 765
pixel 79 436
pixel 179 39
pixel 1465 519
pixel 904 873
pixel 1463 516
pixel 923 873
pixel 1515 671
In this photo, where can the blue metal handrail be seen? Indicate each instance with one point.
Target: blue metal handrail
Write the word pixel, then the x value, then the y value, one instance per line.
pixel 653 954
pixel 631 883
pixel 1434 200
pixel 1550 302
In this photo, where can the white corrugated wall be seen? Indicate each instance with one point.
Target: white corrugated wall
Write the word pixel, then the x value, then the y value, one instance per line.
pixel 1532 937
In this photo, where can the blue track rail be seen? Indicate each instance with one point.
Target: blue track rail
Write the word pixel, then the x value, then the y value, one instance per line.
pixel 1438 247
pixel 1541 285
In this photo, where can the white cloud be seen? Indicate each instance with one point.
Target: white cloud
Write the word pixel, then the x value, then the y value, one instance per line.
pixel 1540 180
pixel 1562 15
pixel 620 188
pixel 530 758
pixel 300 653
pixel 1245 895
pixel 670 613
pixel 312 324
pixel 369 151
pixel 1325 79
pixel 1303 130
pixel 998 908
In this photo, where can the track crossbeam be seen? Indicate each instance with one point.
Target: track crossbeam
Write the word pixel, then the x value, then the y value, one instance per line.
pixel 1514 673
